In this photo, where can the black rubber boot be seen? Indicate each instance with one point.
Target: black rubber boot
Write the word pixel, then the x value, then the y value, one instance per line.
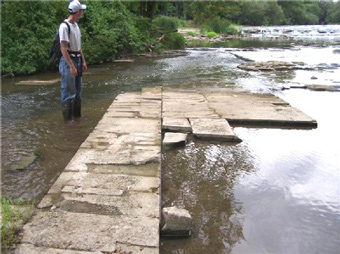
pixel 77 108
pixel 67 110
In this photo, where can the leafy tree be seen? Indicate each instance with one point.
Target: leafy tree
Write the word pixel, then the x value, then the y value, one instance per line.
pixel 109 31
pixel 273 13
pixel 253 13
pixel 27 32
pixel 296 12
pixel 324 6
pixel 333 13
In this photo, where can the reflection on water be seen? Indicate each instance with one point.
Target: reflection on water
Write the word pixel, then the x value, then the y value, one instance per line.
pixel 200 178
pixel 276 192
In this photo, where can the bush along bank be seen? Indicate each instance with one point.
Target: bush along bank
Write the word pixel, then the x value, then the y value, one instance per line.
pixel 109 31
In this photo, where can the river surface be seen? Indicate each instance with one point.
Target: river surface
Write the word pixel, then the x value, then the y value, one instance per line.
pixel 278 191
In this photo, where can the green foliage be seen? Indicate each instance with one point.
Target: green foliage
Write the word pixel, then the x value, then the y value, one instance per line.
pixel 191 33
pixel 219 25
pixel 232 29
pixel 165 24
pixel 14 215
pixel 173 41
pixel 211 34
pixel 298 12
pixel 112 29
pixel 109 31
pixel 273 14
pixel 27 34
pixel 333 10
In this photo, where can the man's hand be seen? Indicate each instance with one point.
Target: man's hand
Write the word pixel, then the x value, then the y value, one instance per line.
pixel 73 70
pixel 84 66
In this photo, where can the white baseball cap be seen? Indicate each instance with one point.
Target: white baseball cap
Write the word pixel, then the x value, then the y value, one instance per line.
pixel 75 6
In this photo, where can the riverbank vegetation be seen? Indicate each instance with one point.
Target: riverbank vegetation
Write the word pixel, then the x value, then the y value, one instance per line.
pixel 13 216
pixel 115 29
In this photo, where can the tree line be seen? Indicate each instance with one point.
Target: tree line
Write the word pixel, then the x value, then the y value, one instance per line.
pixel 255 12
pixel 114 29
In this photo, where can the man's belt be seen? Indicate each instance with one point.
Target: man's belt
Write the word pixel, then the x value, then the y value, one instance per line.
pixel 74 54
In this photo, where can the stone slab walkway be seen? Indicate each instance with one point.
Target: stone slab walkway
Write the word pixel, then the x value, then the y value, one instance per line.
pixel 107 199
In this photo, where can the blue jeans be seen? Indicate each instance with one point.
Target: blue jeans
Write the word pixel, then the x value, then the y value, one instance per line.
pixel 70 86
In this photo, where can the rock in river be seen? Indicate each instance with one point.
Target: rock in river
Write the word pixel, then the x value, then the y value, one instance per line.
pixel 176 222
pixel 25 161
pixel 269 66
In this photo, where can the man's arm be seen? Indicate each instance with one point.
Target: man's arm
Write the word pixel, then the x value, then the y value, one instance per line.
pixel 63 49
pixel 83 62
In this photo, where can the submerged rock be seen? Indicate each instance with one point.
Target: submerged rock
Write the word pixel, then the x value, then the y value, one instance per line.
pixel 25 161
pixel 315 88
pixel 176 222
pixel 269 66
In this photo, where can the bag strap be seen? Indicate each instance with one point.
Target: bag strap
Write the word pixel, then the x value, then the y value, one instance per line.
pixel 69 30
pixel 68 26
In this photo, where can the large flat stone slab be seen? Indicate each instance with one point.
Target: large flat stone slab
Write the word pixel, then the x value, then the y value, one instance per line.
pixel 213 129
pixel 129 125
pixel 89 232
pixel 31 249
pixel 176 124
pixel 186 105
pixel 103 200
pixel 266 110
pixel 172 138
pixel 87 180
pixel 110 248
pixel 132 204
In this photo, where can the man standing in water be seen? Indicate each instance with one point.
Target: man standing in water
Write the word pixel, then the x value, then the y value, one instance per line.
pixel 72 63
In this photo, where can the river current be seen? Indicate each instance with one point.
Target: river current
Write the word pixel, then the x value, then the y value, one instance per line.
pixel 278 191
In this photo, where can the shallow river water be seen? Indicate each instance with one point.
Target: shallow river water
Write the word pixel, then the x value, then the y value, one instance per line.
pixel 278 191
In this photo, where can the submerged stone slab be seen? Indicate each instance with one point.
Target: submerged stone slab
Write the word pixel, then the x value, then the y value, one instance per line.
pixel 218 129
pixel 176 124
pixel 171 138
pixel 319 88
pixel 38 82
